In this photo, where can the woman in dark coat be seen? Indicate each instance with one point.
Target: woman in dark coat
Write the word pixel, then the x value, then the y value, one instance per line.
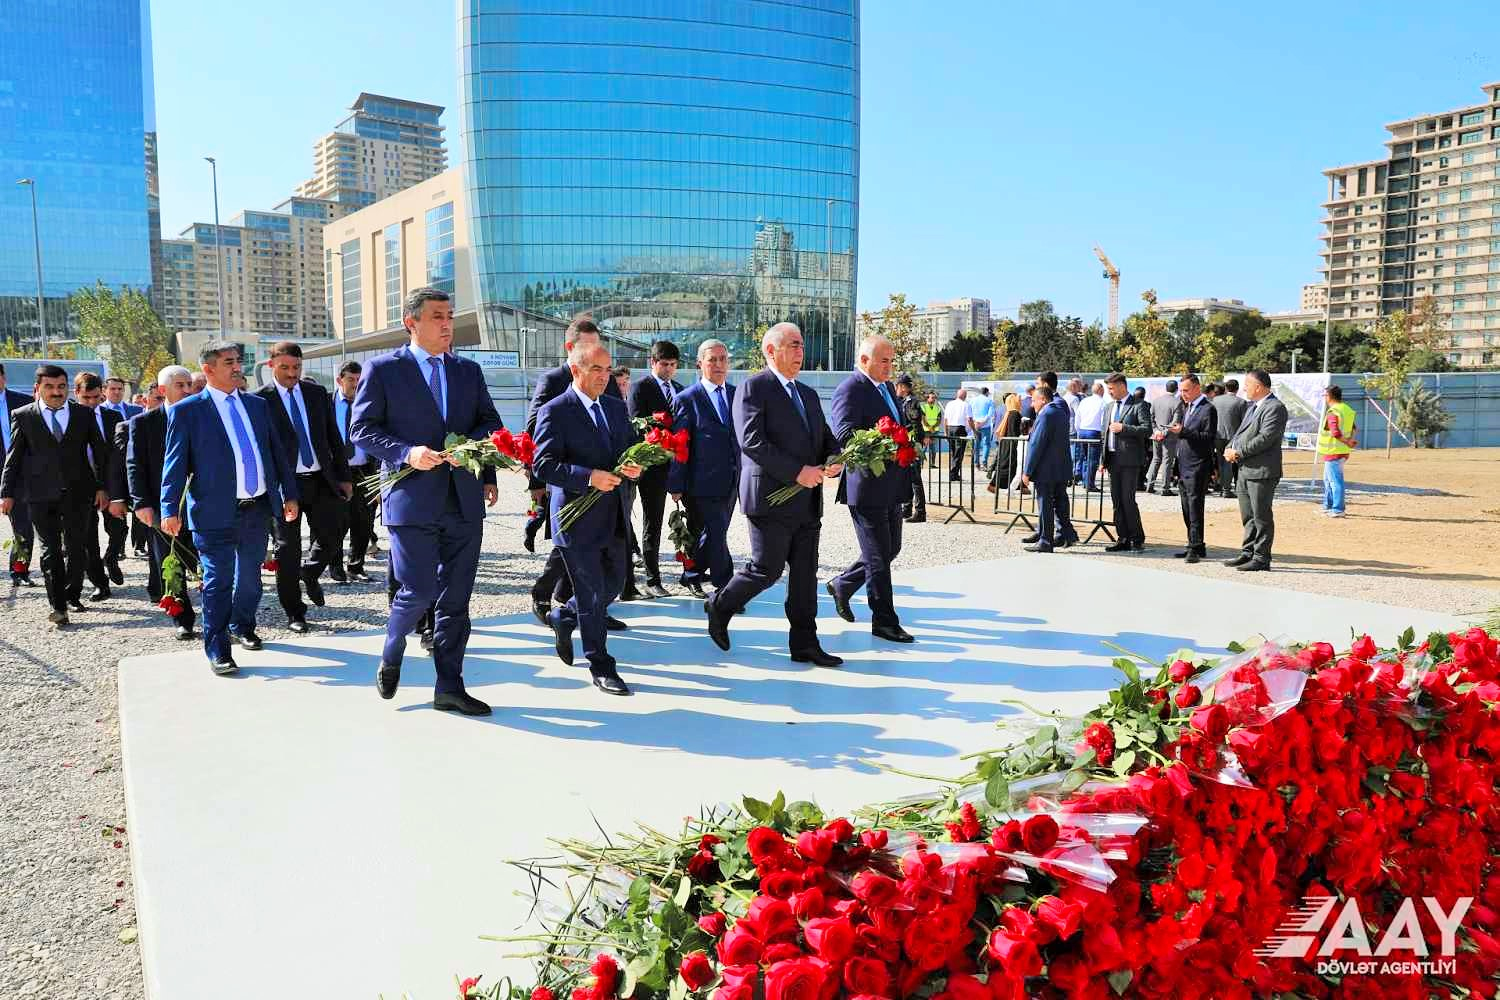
pixel 1006 467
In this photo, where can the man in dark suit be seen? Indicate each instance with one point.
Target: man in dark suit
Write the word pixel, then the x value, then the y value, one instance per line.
pixel 109 466
pixel 1127 424
pixel 553 581
pixel 1195 432
pixel 1229 409
pixel 408 402
pixel 48 465
pixel 222 453
pixel 784 440
pixel 653 393
pixel 580 436
pixel 914 510
pixel 20 518
pixel 144 440
pixel 1256 449
pixel 302 417
pixel 707 481
pixel 1049 470
pixel 114 399
pixel 1166 410
pixel 859 403
pixel 360 524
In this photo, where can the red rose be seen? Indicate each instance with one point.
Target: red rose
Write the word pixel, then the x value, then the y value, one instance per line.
pixel 1007 836
pixel 886 426
pixel 703 867
pixel 1187 696
pixel 875 840
pixel 866 975
pixel 783 951
pixel 696 971
pixel 270 565
pixel 1364 649
pixel 18 566
pixel 687 562
pixel 1180 670
pixel 1100 738
pixel 1062 915
pixel 503 441
pixel 816 845
pixel 900 436
pixel 1016 955
pixel 662 417
pixel 772 917
pixel 740 947
pixel 606 975
pixel 842 829
pixel 712 924
pixel 1212 721
pixel 875 890
pixel 468 986
pixel 780 885
pixel 809 904
pixel 765 844
pixel 799 979
pixel 831 937
pixel 964 987
pixel 906 455
pixel 737 982
pixel 1039 833
pixel 541 993
pixel 654 436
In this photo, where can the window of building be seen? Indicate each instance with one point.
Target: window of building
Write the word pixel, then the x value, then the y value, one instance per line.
pixel 440 254
pixel 392 239
pixel 1476 135
pixel 1472 118
pixel 349 278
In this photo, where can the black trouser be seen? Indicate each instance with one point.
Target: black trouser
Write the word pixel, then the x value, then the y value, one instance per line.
pixel 1194 489
pixel 159 547
pixel 777 545
pixel 653 490
pixel 1122 487
pixel 916 503
pixel 956 457
pixel 94 567
pixel 323 509
pixel 25 536
pixel 63 527
pixel 360 524
pixel 139 534
pixel 1054 525
pixel 116 530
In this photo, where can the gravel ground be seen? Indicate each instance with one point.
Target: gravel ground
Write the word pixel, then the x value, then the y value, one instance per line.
pixel 67 913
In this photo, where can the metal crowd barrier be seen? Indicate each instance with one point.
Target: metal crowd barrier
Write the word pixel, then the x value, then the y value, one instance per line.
pixel 943 489
pixel 1086 507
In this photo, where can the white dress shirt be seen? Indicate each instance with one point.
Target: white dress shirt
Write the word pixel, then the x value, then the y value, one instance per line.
pixel 713 395
pixel 290 398
pixel 956 414
pixel 1115 408
pixel 421 356
pixel 1090 413
pixel 61 415
pixel 589 404
pixel 223 402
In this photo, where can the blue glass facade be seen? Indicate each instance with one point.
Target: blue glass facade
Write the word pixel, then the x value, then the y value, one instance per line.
pixel 682 169
pixel 76 109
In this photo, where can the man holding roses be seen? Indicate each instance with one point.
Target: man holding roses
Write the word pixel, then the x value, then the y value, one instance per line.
pixel 861 402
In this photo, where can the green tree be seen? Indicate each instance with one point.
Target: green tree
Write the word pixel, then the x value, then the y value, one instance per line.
pixel 897 323
pixel 966 352
pixel 1210 352
pixel 121 328
pixel 1000 350
pixel 13 349
pixel 1397 340
pixel 1150 352
pixel 1097 350
pixel 1183 334
pixel 1421 414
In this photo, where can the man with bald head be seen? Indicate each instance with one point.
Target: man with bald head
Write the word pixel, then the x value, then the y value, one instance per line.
pixel 580 436
pixel 859 403
pixel 784 440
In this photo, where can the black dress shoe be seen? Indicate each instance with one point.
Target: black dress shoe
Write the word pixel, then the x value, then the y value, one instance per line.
pixel 58 618
pixel 1038 547
pixel 1192 557
pixel 463 703
pixel 1031 539
pixel 298 625
pixel 1169 493
pixel 185 633
pixel 611 684
pixel 614 624
pixel 1237 561
pixel 1253 566
pixel 917 519
pixel 76 605
pixel 657 590
pixel 695 589
pixel 314 589
pixel 1183 554
pixel 892 633
pixel 563 641
pixel 1068 543
pixel 1138 546
pixel 840 604
pixel 225 667
pixel 540 609
pixel 818 658
pixel 358 576
pixel 339 578
pixel 386 679
pixel 718 626
pixel 24 580
pixel 1118 547
pixel 247 640
pixel 630 593
pixel 101 594
pixel 116 575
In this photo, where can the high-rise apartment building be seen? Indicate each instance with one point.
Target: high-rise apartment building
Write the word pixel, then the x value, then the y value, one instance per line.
pixel 77 116
pixel 682 170
pixel 386 145
pixel 940 322
pixel 1424 220
pixel 1314 297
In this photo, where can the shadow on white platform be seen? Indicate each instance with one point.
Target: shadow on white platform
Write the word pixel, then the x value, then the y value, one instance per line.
pixel 294 835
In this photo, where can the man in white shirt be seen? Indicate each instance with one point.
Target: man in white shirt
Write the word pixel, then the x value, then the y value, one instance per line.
pixel 956 424
pixel 1088 421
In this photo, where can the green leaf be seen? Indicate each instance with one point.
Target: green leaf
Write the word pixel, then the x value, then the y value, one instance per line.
pixel 1127 667
pixel 640 893
pixel 804 815
pixel 678 990
pixel 1074 780
pixel 1119 981
pixel 1124 736
pixel 877 467
pixel 1235 647
pixel 778 805
pixel 1042 738
pixel 1405 640
pixel 1124 762
pixel 997 791
pixel 757 809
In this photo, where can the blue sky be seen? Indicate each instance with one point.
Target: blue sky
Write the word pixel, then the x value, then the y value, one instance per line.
pixel 1000 141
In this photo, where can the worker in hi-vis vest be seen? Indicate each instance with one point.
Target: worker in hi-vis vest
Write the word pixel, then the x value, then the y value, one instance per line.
pixel 1335 442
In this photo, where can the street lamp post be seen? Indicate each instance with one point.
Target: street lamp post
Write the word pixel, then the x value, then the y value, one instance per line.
pixel 343 333
pixel 828 265
pixel 36 240
pixel 1295 351
pixel 218 244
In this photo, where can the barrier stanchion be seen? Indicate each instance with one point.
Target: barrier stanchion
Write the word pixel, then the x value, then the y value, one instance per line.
pixel 1011 497
pixel 945 490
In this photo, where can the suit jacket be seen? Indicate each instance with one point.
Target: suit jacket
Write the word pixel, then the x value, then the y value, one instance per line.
pixel 1258 441
pixel 1048 452
pixel 198 446
pixel 322 430
pixel 1130 443
pixel 645 399
pixel 568 448
pixel 775 445
pixel 131 410
pixel 549 385
pixel 858 405
pixel 713 465
pixel 146 458
pixel 1195 445
pixel 112 463
pixel 394 411
pixel 1231 413
pixel 38 467
pixel 1165 409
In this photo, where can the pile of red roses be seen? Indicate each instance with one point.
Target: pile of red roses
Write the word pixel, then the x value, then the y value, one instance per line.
pixel 906 452
pixel 171 605
pixel 658 431
pixel 1368 777
pixel 521 448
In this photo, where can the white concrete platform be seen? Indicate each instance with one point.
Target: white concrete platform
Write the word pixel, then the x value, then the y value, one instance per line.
pixel 293 835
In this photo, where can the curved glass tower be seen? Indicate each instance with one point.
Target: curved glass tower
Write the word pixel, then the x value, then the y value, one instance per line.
pixel 682 169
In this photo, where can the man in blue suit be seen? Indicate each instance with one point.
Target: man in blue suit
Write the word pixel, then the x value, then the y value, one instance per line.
pixel 20 518
pixel 706 481
pixel 783 440
pixel 219 450
pixel 874 501
pixel 580 436
pixel 1049 470
pixel 408 402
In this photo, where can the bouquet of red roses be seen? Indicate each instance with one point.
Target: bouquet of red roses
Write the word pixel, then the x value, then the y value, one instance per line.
pixel 869 450
pixel 661 445
pixel 501 450
pixel 20 555
pixel 683 540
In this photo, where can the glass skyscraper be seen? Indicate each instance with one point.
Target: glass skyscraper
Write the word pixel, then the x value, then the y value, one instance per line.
pixel 76 111
pixel 682 169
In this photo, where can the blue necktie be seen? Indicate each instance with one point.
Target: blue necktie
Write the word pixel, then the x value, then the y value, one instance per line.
pixel 304 446
pixel 721 405
pixel 889 402
pixel 247 450
pixel 791 387
pixel 435 383
pixel 602 424
pixel 5 429
pixel 57 430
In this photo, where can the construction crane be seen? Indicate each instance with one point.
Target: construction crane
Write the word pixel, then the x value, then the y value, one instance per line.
pixel 1113 274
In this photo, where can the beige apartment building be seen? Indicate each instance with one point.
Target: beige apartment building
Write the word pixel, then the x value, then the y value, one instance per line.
pixel 940 322
pixel 385 146
pixel 1314 297
pixel 1424 220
